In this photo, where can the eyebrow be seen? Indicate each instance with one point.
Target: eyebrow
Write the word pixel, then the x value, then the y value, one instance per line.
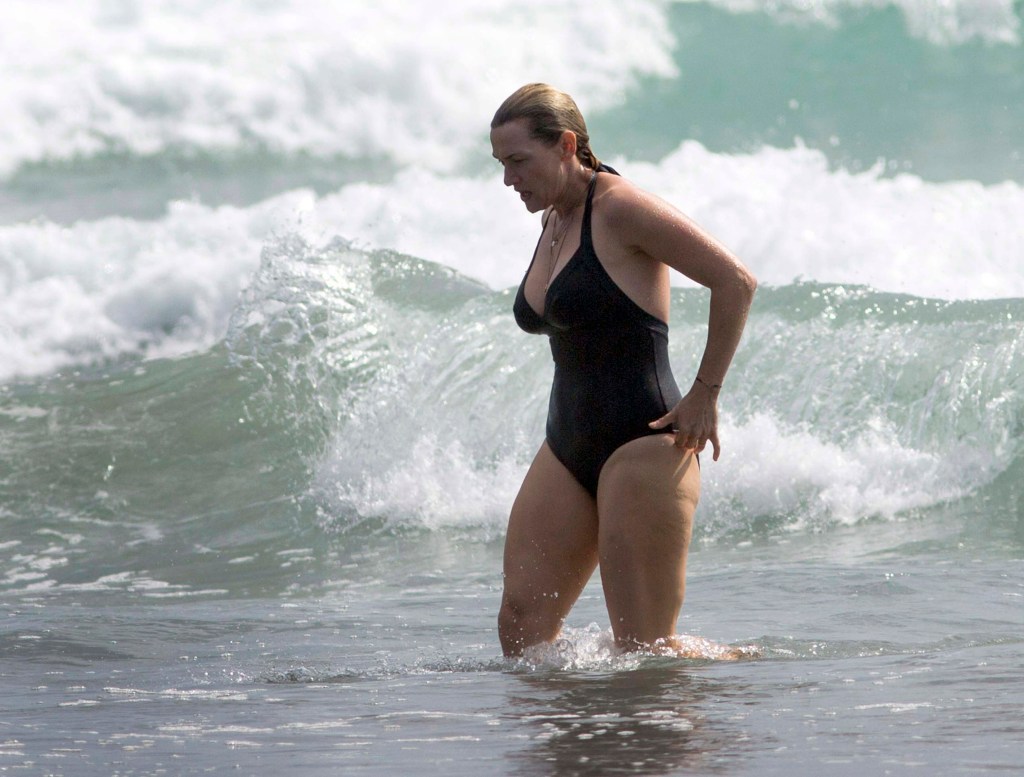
pixel 508 155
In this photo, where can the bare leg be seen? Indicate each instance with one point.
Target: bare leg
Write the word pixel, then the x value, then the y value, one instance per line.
pixel 647 497
pixel 550 554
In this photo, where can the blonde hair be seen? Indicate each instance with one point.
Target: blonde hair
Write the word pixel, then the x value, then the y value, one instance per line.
pixel 549 112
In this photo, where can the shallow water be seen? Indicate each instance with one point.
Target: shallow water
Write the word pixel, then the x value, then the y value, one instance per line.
pixel 870 664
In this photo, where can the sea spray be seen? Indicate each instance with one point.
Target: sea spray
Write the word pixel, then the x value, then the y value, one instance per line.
pixel 843 403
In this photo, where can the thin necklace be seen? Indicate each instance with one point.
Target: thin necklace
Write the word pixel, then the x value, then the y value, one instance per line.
pixel 553 254
pixel 556 242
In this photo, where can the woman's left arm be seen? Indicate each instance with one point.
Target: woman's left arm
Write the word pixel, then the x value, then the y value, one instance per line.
pixel 655 229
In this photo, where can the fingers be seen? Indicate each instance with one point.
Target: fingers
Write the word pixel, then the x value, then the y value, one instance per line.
pixel 698 442
pixel 665 420
pixel 688 441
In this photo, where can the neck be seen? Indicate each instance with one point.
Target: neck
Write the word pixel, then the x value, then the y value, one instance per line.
pixel 574 192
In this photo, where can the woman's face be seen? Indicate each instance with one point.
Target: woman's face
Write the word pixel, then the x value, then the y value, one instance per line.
pixel 533 168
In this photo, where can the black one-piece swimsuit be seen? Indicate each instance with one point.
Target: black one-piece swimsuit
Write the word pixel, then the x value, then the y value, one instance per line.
pixel 612 374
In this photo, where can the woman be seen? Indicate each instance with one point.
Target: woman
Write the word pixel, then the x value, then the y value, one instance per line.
pixel 616 482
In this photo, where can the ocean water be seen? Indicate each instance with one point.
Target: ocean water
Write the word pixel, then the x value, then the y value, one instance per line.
pixel 264 409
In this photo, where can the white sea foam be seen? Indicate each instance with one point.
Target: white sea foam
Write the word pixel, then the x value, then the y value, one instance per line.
pixel 422 482
pixel 787 214
pixel 774 469
pixel 768 470
pixel 783 211
pixel 396 79
pixel 393 78
pixel 944 23
pixel 97 290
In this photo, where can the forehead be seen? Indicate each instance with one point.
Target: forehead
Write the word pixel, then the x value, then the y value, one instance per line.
pixel 512 138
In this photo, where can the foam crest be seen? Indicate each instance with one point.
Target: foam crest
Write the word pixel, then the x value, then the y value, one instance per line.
pixel 100 290
pixel 790 216
pixel 777 475
pixel 395 79
pixel 474 225
pixel 95 291
pixel 424 483
pixel 783 211
pixel 772 476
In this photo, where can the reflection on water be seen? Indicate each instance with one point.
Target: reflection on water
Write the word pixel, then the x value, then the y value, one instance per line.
pixel 654 719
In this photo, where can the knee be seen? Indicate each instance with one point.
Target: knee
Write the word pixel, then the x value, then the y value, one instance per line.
pixel 526 619
pixel 509 614
pixel 510 625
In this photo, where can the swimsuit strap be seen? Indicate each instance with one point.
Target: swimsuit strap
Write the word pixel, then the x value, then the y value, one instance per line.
pixel 586 242
pixel 585 236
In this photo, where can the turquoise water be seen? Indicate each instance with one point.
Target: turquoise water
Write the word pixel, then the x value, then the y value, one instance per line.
pixel 263 407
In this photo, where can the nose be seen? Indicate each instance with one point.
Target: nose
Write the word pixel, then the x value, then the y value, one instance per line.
pixel 510 179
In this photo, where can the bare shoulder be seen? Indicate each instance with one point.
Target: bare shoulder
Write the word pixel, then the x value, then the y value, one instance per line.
pixel 636 215
pixel 621 196
pixel 643 223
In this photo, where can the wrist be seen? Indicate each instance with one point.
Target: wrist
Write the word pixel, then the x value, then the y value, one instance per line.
pixel 713 388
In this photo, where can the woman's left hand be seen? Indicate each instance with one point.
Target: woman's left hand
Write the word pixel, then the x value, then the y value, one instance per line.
pixel 695 420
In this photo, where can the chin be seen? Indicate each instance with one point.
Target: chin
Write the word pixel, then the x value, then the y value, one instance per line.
pixel 532 203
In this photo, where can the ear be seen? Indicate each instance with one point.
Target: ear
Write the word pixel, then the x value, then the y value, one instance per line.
pixel 567 144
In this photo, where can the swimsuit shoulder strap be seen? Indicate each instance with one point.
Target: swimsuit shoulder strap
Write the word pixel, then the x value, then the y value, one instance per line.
pixel 585 237
pixel 585 227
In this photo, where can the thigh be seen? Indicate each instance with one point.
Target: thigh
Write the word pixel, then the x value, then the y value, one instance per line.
pixel 647 497
pixel 551 544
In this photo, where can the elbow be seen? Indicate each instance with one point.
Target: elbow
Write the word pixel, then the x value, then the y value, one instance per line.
pixel 745 283
pixel 736 282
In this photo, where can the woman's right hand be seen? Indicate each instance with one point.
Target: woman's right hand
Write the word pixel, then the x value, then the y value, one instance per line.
pixel 695 420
